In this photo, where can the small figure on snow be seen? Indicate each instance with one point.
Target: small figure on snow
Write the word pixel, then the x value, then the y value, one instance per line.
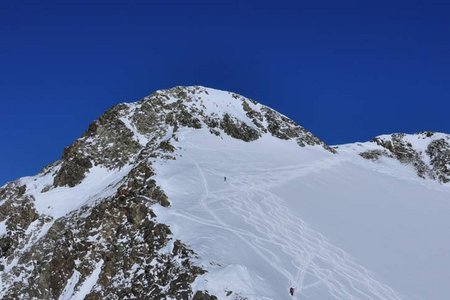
pixel 291 291
pixel 224 178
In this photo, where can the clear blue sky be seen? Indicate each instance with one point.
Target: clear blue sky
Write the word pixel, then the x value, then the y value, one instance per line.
pixel 346 70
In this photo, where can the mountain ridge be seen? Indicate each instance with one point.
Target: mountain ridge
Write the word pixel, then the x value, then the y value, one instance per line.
pixel 66 231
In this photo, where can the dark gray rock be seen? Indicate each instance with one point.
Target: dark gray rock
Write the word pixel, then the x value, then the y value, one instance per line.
pixel 439 153
pixel 238 129
pixel 203 295
pixel 396 146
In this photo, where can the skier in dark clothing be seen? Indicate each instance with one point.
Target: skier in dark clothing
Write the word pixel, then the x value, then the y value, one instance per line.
pixel 291 291
pixel 225 178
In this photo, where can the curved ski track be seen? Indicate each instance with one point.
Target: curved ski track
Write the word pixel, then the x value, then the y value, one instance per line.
pixel 314 260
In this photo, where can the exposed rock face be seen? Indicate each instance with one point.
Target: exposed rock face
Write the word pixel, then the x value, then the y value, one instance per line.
pixel 237 129
pixel 374 154
pixel 18 212
pixel 117 239
pixel 107 136
pixel 427 152
pixel 136 255
pixel 202 295
pixel 439 153
pixel 284 128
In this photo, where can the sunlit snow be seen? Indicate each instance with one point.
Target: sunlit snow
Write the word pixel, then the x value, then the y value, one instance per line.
pixel 332 226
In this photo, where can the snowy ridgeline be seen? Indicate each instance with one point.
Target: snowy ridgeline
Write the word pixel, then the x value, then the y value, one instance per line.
pixel 261 204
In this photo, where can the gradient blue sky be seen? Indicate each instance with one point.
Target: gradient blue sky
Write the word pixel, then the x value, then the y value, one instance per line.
pixel 346 70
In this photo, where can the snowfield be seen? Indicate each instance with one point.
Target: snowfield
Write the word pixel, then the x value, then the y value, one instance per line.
pixel 281 211
pixel 333 226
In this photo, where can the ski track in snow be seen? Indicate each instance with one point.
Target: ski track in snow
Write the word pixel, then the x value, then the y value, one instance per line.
pixel 314 260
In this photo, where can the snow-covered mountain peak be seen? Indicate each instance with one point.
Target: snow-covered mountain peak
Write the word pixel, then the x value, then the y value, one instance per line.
pixel 73 223
pixel 210 101
pixel 127 132
pixel 226 112
pixel 196 193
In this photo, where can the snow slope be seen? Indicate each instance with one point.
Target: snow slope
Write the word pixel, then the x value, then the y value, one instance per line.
pixel 263 203
pixel 332 226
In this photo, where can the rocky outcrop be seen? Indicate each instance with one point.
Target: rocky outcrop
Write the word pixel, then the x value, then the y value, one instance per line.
pixel 107 142
pixel 137 257
pixel 429 161
pixel 138 183
pixel 238 129
pixel 117 240
pixel 284 128
pixel 405 153
pixel 374 154
pixel 203 295
pixel 17 212
pixel 439 153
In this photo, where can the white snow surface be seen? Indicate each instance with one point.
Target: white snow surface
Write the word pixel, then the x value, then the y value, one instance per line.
pixel 99 183
pixel 3 230
pixel 67 293
pixel 333 226
pixel 86 286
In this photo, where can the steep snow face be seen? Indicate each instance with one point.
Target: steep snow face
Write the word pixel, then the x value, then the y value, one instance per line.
pixel 331 226
pixel 428 153
pixel 99 183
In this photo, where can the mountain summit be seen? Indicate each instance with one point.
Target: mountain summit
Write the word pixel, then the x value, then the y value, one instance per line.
pixel 196 193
